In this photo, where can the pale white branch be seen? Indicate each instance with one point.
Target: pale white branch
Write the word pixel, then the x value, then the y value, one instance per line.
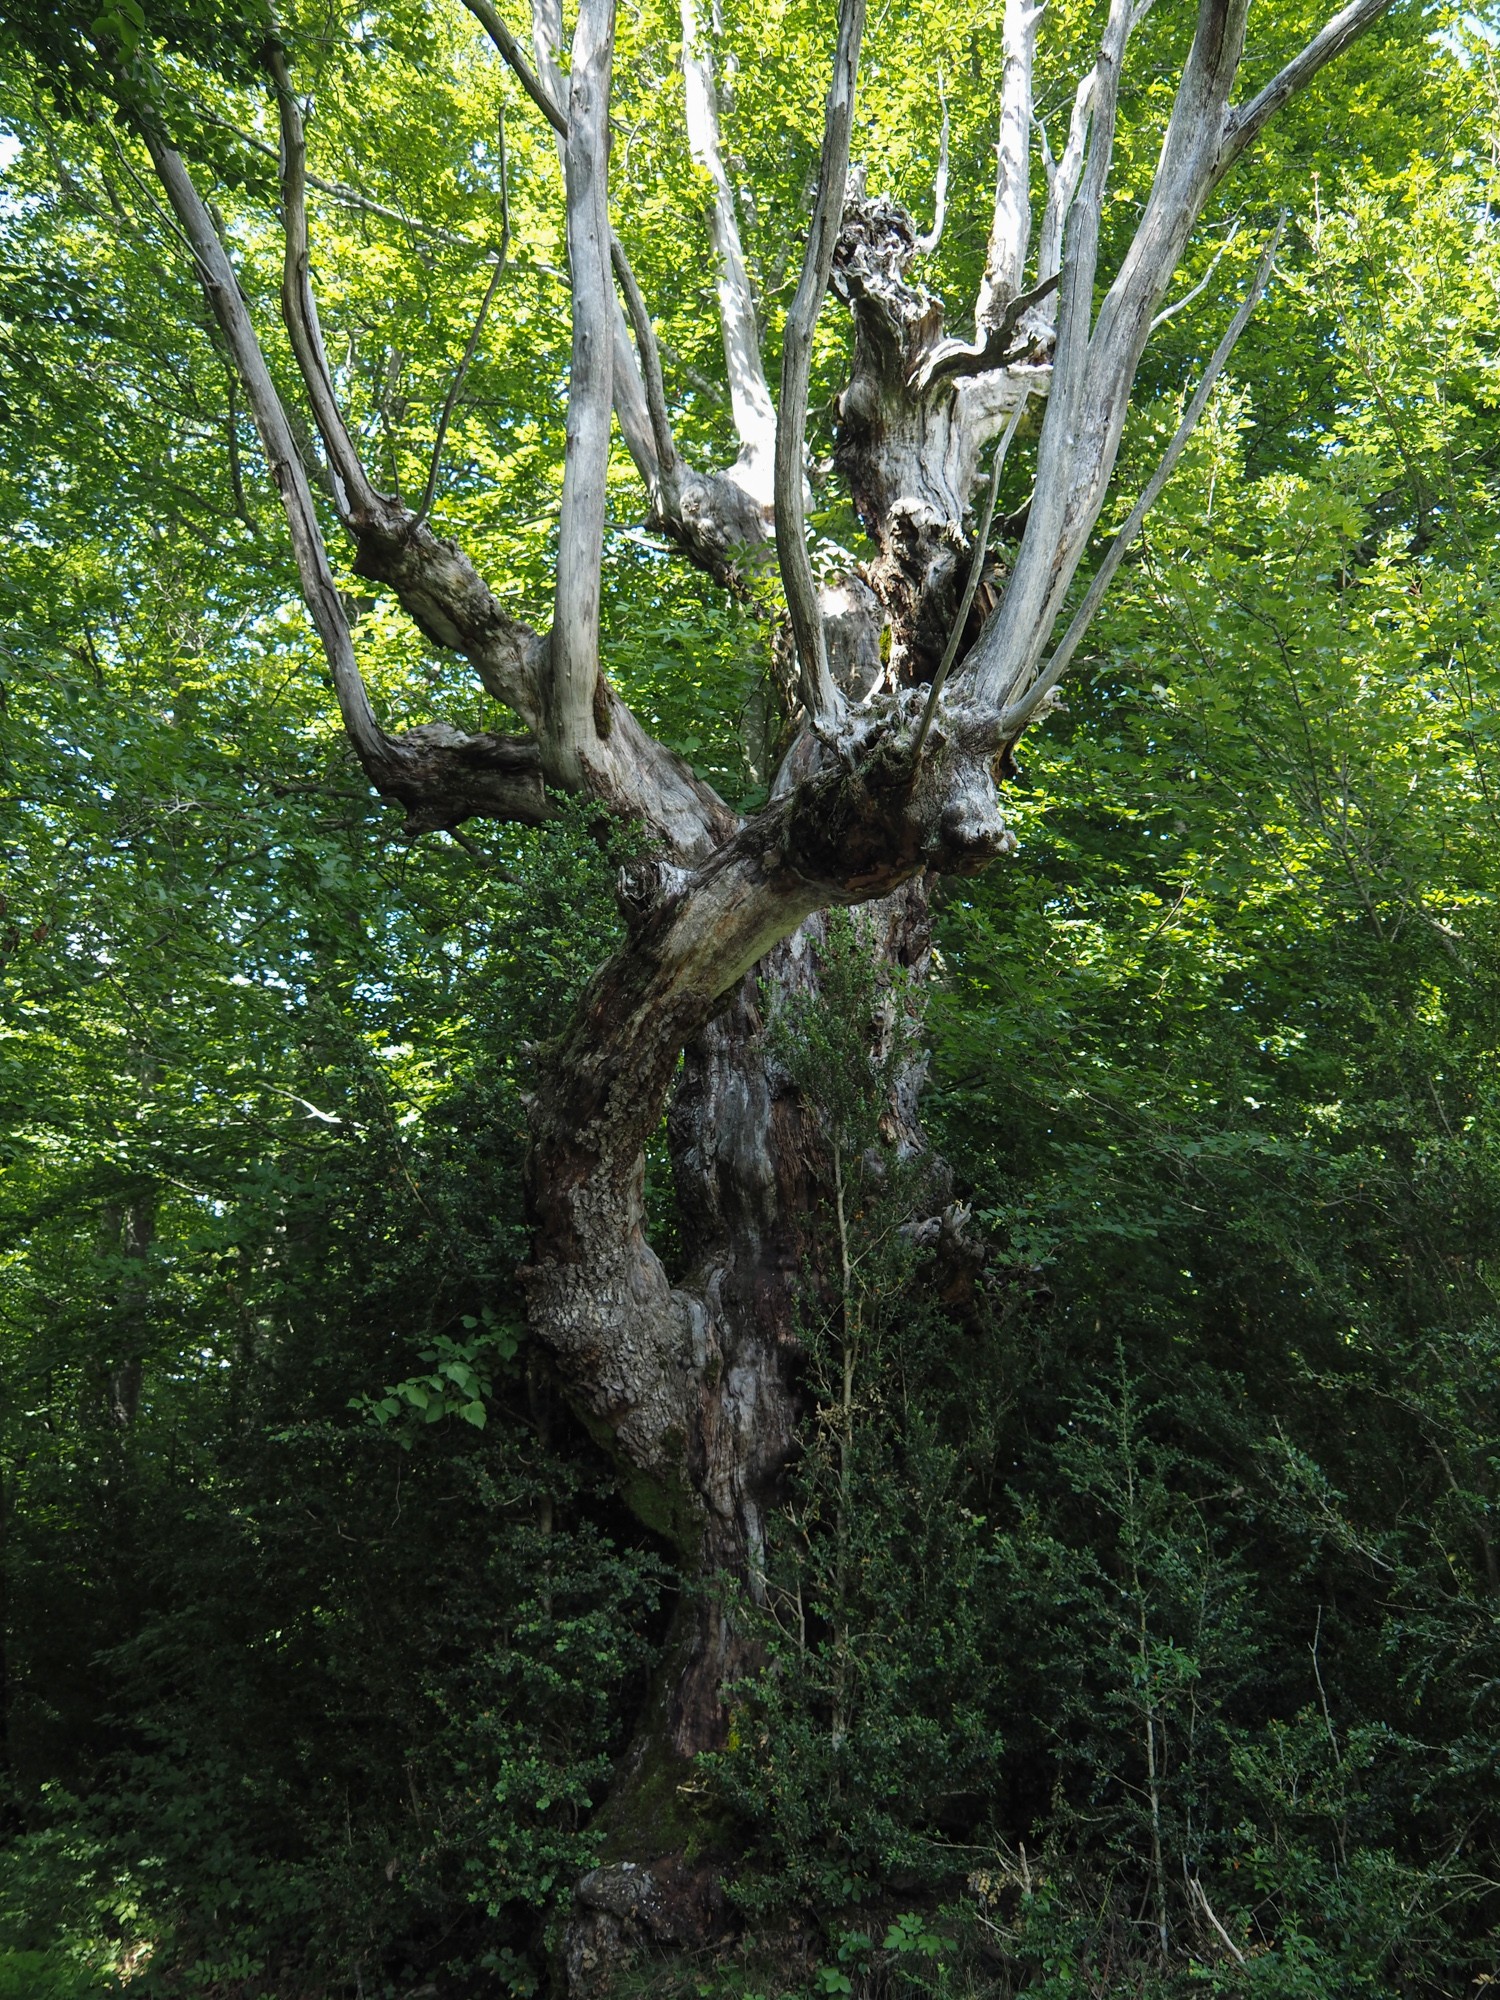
pixel 1062 183
pixel 749 395
pixel 1180 305
pixel 819 694
pixel 1093 369
pixel 1015 717
pixel 929 241
pixel 441 775
pixel 568 704
pixel 1010 226
pixel 547 89
pixel 546 44
pixel 667 461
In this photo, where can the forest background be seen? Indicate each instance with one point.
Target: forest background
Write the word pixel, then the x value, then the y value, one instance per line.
pixel 1160 1648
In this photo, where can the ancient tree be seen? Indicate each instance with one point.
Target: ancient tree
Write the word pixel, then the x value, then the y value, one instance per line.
pixel 911 686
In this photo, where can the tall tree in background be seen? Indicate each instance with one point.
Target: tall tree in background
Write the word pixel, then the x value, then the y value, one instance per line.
pixel 910 681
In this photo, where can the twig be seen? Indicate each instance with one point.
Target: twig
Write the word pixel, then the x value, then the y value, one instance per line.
pixel 1171 312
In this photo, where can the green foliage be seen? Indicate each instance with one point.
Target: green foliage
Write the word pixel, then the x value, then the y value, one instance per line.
pixel 1131 1633
pixel 876 1712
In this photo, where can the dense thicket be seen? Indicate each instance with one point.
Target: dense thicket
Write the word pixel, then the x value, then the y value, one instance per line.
pixel 1133 1629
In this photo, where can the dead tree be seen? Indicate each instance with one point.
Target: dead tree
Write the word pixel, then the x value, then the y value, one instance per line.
pixel 909 710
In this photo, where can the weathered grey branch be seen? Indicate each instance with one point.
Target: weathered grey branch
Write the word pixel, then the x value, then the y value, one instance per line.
pixel 438 773
pixel 996 347
pixel 819 695
pixel 568 720
pixel 1062 182
pixel 1345 27
pixel 435 582
pixel 971 585
pixel 929 240
pixel 667 462
pixel 353 493
pixel 1010 226
pixel 546 88
pixel 1018 714
pixel 749 396
pixel 1073 443
pixel 546 46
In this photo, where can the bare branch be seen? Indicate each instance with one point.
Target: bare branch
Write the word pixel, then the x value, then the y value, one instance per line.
pixel 1019 713
pixel 819 695
pixel 1062 182
pixel 439 774
pixel 547 91
pixel 1093 368
pixel 435 582
pixel 928 242
pixel 450 401
pixel 668 463
pixel 541 95
pixel 569 724
pixel 353 493
pixel 1179 305
pixel 546 44
pixel 750 398
pixel 455 390
pixel 1010 228
pixel 1345 27
pixel 966 602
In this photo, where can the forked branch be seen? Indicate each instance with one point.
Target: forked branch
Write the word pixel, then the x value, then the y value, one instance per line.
pixel 439 774
pixel 546 88
pixel 354 496
pixel 1345 27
